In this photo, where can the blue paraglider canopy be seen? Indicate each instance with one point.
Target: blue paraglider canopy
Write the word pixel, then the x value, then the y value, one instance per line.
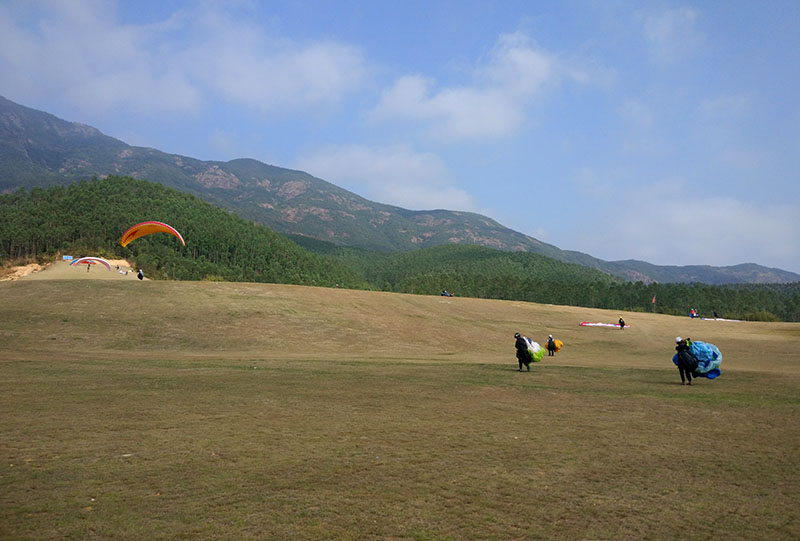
pixel 708 356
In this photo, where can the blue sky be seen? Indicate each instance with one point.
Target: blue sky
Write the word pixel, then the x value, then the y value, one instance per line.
pixel 662 131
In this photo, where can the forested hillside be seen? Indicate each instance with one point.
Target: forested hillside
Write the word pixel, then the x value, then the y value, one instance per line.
pixel 38 149
pixel 476 271
pixel 89 217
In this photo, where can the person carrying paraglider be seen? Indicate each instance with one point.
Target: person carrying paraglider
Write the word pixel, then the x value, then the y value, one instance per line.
pixel 523 355
pixel 551 346
pixel 686 361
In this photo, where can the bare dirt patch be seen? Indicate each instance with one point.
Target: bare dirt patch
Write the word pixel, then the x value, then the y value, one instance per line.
pixel 17 272
pixel 62 270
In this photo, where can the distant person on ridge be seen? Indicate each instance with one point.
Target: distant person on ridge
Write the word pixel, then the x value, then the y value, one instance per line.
pixel 551 346
pixel 523 356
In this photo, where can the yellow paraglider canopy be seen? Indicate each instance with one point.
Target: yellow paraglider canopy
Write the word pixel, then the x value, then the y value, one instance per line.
pixel 147 228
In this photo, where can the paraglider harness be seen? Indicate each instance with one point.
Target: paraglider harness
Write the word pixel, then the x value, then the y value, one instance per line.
pixel 523 354
pixel 685 357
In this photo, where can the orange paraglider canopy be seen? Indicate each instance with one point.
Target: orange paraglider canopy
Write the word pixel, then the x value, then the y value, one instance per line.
pixel 147 228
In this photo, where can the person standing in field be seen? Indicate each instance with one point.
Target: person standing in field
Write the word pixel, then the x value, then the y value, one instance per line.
pixel 140 275
pixel 551 346
pixel 621 323
pixel 686 361
pixel 523 355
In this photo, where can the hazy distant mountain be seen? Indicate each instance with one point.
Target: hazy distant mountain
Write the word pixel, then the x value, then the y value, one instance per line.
pixel 39 149
pixel 744 273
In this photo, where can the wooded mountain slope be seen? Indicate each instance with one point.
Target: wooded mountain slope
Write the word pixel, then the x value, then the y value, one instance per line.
pixel 38 150
pixel 89 217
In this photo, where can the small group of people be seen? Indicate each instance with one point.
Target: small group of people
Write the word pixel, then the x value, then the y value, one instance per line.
pixel 694 313
pixel 524 357
pixel 687 363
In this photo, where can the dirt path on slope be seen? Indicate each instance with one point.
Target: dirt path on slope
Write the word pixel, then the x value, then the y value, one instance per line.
pixel 121 269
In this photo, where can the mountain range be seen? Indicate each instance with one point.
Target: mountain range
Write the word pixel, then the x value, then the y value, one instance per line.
pixel 38 149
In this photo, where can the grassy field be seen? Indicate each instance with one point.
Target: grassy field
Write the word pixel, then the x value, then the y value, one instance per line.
pixel 152 410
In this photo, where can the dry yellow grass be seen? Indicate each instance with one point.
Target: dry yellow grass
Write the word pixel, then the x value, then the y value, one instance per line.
pixel 131 318
pixel 182 410
pixel 62 270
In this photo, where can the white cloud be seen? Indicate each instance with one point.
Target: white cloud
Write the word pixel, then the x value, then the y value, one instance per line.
pixel 672 33
pixel 725 127
pixel 459 112
pixel 224 142
pixel 518 67
pixel 16 44
pixel 637 113
pixel 77 51
pixel 246 65
pixel 726 108
pixel 494 103
pixel 395 176
pixel 667 224
pixel 641 135
pixel 81 52
pixel 592 184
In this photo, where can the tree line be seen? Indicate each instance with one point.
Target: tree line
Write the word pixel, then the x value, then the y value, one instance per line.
pixel 89 217
pixel 478 271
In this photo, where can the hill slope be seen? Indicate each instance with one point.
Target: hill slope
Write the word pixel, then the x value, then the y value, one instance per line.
pixel 290 412
pixel 215 320
pixel 89 217
pixel 39 149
